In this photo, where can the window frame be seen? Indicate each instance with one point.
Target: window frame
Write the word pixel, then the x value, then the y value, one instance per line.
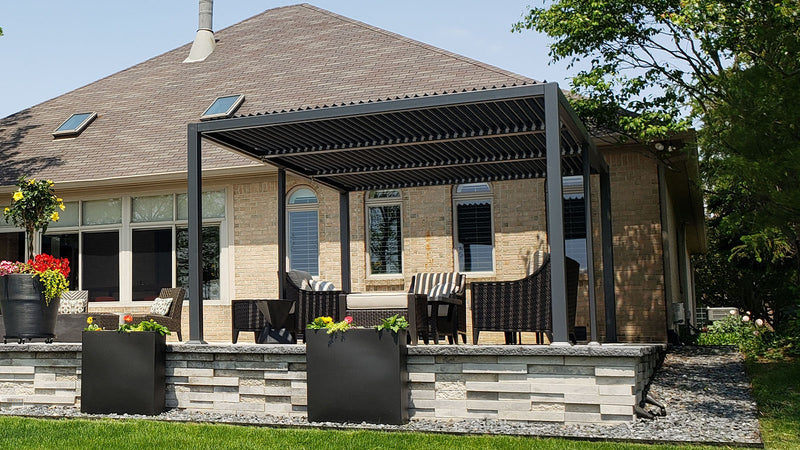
pixel 126 227
pixel 300 207
pixel 376 202
pixel 71 132
pixel 459 197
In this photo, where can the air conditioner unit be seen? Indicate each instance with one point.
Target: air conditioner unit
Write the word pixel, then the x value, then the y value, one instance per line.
pixel 720 313
pixel 678 313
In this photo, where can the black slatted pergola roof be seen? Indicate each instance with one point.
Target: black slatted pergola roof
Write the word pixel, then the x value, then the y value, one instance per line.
pixel 449 138
pixel 505 133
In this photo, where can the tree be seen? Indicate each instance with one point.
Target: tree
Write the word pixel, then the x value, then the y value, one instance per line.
pixel 651 68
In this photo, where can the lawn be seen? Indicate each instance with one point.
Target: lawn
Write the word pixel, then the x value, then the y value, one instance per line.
pixel 776 387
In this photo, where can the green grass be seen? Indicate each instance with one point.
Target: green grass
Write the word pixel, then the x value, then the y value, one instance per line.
pixel 776 386
pixel 25 433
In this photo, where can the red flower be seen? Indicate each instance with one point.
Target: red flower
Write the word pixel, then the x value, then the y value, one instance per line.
pixel 43 262
pixel 348 319
pixel 127 318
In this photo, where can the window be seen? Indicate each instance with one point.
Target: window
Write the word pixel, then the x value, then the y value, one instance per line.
pixel 384 232
pixel 303 231
pixel 75 124
pixel 152 262
pixel 128 248
pixel 12 246
pixel 100 271
pixel 64 246
pixel 211 260
pixel 473 227
pixel 574 219
pixel 223 107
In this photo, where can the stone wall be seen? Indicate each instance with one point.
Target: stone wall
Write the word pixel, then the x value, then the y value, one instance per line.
pixel 584 384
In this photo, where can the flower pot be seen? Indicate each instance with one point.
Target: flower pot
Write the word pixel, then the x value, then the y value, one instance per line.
pixel 123 373
pixel 357 376
pixel 26 315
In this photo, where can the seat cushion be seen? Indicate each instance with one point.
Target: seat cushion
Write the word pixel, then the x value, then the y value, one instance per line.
pixel 378 300
pixel 160 306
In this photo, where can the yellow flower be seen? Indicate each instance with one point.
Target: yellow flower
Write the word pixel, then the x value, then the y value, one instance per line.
pixel 54 217
pixel 89 320
pixel 60 204
pixel 327 319
pixel 6 209
pixel 32 180
pixel 49 182
pixel 18 196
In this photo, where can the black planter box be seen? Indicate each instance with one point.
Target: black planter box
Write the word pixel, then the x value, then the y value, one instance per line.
pixel 123 372
pixel 357 376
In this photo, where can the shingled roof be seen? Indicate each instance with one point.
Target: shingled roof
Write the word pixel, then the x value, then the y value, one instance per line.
pixel 285 58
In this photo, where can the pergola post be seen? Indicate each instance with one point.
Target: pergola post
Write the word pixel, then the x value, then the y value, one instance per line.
pixel 555 215
pixel 344 238
pixel 281 233
pixel 587 208
pixel 195 238
pixel 609 296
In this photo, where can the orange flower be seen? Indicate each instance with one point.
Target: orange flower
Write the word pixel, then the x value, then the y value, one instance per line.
pixel 127 318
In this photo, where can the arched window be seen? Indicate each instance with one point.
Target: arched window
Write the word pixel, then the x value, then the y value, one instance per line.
pixel 473 234
pixel 384 232
pixel 302 213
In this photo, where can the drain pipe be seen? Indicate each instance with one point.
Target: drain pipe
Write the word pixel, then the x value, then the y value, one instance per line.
pixel 204 42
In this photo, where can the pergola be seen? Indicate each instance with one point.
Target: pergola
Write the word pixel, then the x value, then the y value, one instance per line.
pixel 507 133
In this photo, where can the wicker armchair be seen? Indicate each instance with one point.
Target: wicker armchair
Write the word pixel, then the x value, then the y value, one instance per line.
pixel 309 304
pixel 246 317
pixel 522 305
pixel 172 319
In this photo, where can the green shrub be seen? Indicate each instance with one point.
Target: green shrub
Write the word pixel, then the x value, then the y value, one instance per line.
pixel 754 338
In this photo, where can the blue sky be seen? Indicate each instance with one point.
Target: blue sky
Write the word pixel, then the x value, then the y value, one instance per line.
pixel 51 47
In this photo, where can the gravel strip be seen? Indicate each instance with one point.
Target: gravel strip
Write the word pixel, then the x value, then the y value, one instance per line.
pixel 705 390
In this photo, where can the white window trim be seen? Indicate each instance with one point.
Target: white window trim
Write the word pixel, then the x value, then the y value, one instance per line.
pixel 467 196
pixel 125 230
pixel 298 208
pixel 370 202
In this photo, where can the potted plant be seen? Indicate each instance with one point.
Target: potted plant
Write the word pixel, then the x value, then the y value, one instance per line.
pixel 357 374
pixel 30 292
pixel 124 371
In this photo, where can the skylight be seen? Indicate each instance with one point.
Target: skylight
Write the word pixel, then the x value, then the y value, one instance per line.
pixel 223 107
pixel 75 124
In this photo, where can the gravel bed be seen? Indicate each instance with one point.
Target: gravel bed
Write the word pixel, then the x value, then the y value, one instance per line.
pixel 704 389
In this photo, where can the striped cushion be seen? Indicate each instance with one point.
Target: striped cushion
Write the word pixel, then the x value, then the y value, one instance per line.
pixel 321 286
pixel 441 290
pixel 73 302
pixel 425 282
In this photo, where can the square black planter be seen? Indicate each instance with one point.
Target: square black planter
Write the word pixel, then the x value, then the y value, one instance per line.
pixel 357 376
pixel 123 372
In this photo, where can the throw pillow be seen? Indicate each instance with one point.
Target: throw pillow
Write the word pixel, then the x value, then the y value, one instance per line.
pixel 322 286
pixel 160 306
pixel 73 302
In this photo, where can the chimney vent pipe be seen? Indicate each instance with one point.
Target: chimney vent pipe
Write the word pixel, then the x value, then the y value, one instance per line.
pixel 204 42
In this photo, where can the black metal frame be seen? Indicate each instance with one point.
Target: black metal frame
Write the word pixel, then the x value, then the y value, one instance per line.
pixel 506 133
